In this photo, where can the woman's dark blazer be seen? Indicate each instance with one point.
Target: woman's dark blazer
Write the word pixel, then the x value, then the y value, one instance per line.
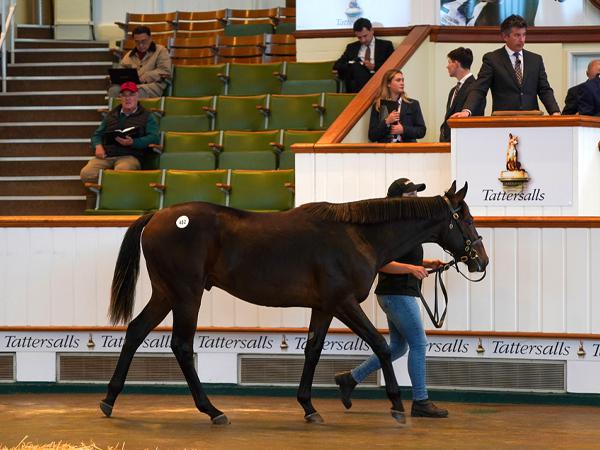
pixel 410 117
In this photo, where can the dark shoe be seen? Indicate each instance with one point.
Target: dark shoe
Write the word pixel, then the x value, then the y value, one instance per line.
pixel 347 384
pixel 426 408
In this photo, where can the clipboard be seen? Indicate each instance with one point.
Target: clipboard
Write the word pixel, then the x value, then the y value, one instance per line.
pixel 120 76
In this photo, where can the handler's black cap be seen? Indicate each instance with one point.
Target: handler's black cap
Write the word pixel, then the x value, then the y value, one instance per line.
pixel 403 186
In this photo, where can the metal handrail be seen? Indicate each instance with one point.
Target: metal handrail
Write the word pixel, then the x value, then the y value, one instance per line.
pixel 6 29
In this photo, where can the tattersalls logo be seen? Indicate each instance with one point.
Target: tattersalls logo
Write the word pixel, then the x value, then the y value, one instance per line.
pixel 353 12
pixel 514 179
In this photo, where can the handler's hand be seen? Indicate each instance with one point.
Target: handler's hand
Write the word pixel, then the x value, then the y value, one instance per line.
pixel 433 263
pixel 419 272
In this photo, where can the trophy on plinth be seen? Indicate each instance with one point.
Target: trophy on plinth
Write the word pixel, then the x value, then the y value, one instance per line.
pixel 354 11
pixel 515 177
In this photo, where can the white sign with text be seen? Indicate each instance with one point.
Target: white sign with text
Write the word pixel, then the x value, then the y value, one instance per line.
pixel 515 167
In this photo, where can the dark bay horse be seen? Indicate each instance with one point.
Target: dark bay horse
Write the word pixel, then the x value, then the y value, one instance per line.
pixel 321 256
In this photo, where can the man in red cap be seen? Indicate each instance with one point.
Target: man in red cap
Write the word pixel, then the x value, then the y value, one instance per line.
pixel 122 139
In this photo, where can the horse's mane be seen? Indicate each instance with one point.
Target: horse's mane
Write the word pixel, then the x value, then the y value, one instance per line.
pixel 379 210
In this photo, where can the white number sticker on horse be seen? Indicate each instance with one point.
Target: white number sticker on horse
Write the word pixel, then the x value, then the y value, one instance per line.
pixel 182 221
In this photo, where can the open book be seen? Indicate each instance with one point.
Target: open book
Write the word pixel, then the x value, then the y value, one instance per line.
pixel 109 136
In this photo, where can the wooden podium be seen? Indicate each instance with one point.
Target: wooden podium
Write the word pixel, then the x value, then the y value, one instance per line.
pixel 528 166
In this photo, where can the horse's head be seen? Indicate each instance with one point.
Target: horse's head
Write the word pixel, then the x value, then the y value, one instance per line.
pixel 461 238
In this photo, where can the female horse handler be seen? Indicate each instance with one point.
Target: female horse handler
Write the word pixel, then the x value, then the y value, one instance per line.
pixel 397 293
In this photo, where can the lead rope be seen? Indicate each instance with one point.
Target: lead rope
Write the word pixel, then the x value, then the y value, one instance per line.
pixel 434 316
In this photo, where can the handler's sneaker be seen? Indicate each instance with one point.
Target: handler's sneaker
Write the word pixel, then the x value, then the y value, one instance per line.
pixel 347 384
pixel 426 408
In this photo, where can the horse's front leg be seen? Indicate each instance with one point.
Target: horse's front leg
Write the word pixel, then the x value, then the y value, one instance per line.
pixel 354 317
pixel 319 324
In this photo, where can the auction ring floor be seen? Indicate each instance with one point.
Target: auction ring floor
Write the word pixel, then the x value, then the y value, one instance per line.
pixel 171 421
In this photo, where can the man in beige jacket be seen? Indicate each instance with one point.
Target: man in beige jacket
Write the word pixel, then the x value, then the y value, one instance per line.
pixel 152 62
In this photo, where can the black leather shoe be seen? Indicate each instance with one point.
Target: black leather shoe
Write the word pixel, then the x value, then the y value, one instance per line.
pixel 426 408
pixel 347 384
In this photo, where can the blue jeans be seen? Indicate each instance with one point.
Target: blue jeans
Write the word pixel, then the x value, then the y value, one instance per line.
pixel 406 332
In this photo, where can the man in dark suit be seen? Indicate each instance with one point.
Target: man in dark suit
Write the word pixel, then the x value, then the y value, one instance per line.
pixel 571 100
pixel 515 76
pixel 362 58
pixel 589 97
pixel 459 67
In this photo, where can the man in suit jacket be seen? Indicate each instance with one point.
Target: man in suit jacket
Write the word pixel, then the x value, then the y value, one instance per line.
pixel 589 97
pixel 571 100
pixel 363 58
pixel 515 76
pixel 459 67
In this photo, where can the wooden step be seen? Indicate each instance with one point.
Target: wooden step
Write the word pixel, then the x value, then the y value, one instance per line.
pixel 82 83
pixel 47 114
pixel 22 56
pixel 31 130
pixel 56 98
pixel 41 187
pixel 73 69
pixel 53 43
pixel 41 207
pixel 35 32
pixel 33 149
pixel 36 167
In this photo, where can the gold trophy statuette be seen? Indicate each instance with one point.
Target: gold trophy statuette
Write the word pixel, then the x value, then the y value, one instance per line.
pixel 514 177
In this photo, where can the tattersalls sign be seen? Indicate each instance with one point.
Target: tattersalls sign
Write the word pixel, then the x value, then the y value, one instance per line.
pixel 514 169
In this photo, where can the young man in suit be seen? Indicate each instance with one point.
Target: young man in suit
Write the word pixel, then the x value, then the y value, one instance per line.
pixel 515 76
pixel 459 67
pixel 571 100
pixel 362 58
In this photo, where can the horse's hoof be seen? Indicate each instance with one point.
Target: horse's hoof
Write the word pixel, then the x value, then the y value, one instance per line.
pixel 106 408
pixel 399 416
pixel 314 418
pixel 220 420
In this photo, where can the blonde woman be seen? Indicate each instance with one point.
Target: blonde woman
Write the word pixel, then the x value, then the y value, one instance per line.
pixel 395 117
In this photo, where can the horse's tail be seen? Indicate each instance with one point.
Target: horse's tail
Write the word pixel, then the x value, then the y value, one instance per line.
pixel 126 273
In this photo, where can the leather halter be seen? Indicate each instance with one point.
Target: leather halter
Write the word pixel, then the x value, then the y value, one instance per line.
pixel 470 253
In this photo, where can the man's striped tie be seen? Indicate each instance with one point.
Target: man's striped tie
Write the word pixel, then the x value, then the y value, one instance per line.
pixel 518 68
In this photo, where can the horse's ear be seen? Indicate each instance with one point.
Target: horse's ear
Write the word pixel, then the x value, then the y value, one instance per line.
pixel 452 189
pixel 460 195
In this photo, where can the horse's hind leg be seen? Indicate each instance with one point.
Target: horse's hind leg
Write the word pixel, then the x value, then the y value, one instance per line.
pixel 319 324
pixel 355 318
pixel 185 317
pixel 154 312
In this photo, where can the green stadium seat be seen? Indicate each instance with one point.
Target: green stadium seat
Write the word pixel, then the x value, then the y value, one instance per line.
pixel 287 160
pixel 255 190
pixel 294 112
pixel 239 113
pixel 291 137
pixel 190 142
pixel 333 105
pixel 186 114
pixel 246 141
pixel 309 71
pixel 126 192
pixel 188 161
pixel 182 186
pixel 253 79
pixel 285 27
pixel 251 160
pixel 198 81
pixel 308 86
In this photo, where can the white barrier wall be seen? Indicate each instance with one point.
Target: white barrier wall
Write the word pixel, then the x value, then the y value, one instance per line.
pixel 539 280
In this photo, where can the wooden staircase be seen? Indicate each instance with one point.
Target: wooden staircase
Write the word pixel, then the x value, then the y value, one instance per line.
pixel 46 120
